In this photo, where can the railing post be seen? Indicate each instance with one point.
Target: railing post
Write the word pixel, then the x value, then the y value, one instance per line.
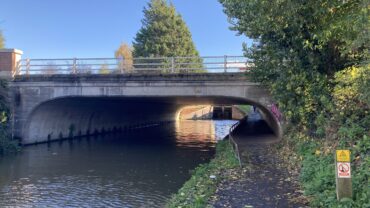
pixel 225 63
pixel 28 66
pixel 172 64
pixel 74 66
pixel 17 68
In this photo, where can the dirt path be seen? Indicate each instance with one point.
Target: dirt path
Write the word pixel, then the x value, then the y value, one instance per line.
pixel 263 182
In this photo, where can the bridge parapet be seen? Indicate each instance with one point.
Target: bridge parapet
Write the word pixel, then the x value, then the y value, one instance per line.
pixel 147 65
pixel 193 77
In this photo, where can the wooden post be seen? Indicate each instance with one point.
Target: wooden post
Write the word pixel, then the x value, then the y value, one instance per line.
pixel 343 174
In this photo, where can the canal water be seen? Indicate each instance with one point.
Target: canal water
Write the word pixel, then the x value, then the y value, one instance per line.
pixel 136 169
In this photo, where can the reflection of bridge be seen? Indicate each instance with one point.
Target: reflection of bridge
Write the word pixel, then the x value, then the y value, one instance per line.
pixel 49 107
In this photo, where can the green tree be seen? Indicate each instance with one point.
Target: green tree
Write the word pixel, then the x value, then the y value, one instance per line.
pixel 314 56
pixel 299 45
pixel 163 33
pixel 7 145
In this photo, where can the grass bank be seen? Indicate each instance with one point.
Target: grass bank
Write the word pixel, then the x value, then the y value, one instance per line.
pixel 201 186
pixel 314 158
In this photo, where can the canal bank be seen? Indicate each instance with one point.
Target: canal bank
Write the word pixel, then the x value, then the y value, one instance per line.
pixel 263 180
pixel 205 179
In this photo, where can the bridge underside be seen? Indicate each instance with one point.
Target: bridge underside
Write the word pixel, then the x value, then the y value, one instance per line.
pixel 59 106
pixel 80 116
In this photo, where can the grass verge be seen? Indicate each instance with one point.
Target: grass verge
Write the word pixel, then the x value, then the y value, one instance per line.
pixel 245 108
pixel 200 187
pixel 315 158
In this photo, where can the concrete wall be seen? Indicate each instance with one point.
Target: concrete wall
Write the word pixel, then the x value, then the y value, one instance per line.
pixel 45 107
pixel 196 113
pixel 78 116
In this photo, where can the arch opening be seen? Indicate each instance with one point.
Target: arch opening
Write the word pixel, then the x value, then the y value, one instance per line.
pixel 81 116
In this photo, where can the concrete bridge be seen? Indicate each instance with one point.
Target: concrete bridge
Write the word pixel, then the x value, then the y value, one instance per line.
pixel 51 107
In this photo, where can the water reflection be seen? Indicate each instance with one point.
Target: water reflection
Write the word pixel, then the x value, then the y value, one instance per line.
pixel 137 169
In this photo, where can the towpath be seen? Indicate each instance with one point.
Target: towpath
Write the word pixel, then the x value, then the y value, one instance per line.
pixel 263 181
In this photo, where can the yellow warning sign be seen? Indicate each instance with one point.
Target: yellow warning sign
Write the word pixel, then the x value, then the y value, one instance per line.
pixel 343 156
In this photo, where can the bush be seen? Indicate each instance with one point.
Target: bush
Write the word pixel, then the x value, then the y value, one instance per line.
pixel 7 145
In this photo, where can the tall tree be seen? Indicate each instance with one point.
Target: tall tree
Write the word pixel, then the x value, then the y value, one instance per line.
pixel 299 44
pixel 124 52
pixel 163 33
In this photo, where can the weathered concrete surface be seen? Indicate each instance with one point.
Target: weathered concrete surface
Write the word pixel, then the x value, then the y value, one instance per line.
pixel 50 107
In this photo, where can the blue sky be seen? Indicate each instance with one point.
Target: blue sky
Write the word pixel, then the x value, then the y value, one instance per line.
pixel 95 28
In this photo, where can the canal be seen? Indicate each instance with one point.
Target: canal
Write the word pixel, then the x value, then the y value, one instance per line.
pixel 141 168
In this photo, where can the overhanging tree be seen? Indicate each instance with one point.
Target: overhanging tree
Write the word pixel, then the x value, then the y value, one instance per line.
pixel 299 45
pixel 164 34
pixel 314 55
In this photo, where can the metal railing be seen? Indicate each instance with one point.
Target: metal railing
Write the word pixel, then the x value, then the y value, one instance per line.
pixel 207 64
pixel 233 142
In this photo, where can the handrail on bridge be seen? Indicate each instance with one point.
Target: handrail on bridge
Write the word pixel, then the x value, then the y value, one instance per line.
pixel 233 142
pixel 206 64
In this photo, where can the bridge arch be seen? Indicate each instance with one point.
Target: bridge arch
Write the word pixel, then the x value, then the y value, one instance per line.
pixel 43 106
pixel 79 116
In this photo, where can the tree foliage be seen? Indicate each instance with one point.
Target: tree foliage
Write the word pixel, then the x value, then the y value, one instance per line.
pixel 124 52
pixel 163 33
pixel 2 45
pixel 314 56
pixel 6 144
pixel 299 46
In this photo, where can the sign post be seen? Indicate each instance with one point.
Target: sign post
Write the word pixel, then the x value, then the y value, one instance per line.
pixel 343 174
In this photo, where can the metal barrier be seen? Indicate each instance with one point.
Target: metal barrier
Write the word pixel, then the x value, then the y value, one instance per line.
pixel 206 64
pixel 233 143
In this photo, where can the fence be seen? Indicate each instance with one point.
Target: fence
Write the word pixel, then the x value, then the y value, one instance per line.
pixel 234 144
pixel 207 64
